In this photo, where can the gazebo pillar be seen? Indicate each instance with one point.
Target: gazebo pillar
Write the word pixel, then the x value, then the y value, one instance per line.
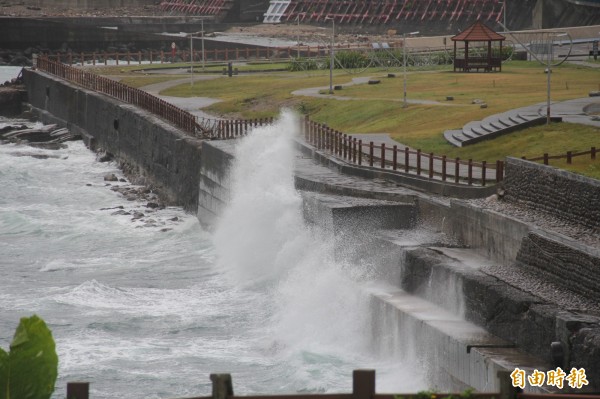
pixel 489 55
pixel 454 57
pixel 466 56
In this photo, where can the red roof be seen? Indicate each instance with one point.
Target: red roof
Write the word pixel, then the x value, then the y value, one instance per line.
pixel 478 32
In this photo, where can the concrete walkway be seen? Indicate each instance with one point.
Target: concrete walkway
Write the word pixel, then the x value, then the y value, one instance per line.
pixel 193 105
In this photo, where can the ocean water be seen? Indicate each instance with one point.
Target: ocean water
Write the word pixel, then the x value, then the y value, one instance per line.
pixel 8 72
pixel 148 308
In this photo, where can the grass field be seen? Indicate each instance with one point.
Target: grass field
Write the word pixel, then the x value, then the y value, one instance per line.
pixel 378 108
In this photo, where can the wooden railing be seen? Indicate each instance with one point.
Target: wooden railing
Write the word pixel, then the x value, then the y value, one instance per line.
pixel 569 155
pixel 198 127
pixel 426 165
pixel 363 387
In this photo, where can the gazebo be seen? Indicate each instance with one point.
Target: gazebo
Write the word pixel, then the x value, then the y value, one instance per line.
pixel 478 32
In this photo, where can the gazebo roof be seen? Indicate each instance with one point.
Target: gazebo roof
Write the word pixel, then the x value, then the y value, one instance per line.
pixel 478 32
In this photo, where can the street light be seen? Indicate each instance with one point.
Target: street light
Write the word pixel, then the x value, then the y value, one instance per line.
pixel 404 48
pixel 331 54
pixel 192 51
pixel 504 9
pixel 549 71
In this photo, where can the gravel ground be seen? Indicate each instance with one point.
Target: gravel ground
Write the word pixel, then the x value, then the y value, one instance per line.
pixel 542 220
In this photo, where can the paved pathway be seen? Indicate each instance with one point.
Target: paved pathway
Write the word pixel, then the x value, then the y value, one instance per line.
pixel 193 105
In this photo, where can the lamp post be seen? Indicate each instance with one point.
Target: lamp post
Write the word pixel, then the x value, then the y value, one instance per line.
pixel 331 53
pixel 549 71
pixel 404 48
pixel 192 51
pixel 504 9
pixel 298 36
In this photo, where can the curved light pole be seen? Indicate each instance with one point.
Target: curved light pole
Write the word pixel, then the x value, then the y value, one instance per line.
pixel 331 53
pixel 404 49
pixel 192 51
pixel 549 71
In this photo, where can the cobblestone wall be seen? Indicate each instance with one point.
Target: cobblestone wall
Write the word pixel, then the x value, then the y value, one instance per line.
pixel 562 263
pixel 567 195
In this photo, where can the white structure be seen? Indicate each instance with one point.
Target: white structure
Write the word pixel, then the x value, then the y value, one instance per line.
pixel 276 10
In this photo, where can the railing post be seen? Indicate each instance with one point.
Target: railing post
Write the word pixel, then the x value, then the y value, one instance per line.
pixel 382 155
pixel 345 145
pixel 431 165
pixel 306 128
pixel 443 168
pixel 457 170
pixel 545 158
pixel 483 173
pixel 419 162
pixel 470 177
pixel 406 159
pixel 498 171
pixel 370 153
pixel 363 384
pixel 360 152
pixel 507 390
pixel 395 157
pixel 569 157
pixel 354 150
pixel 222 386
pixel 593 152
pixel 78 390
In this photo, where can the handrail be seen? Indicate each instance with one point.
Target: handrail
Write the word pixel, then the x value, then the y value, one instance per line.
pixel 199 127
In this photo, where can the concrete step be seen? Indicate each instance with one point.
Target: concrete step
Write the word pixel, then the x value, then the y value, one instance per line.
pixel 487 128
pixel 506 122
pixel 454 137
pixel 337 213
pixel 497 125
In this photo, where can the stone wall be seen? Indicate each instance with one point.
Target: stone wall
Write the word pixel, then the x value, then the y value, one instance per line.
pixel 215 186
pixel 157 153
pixel 566 264
pixel 544 188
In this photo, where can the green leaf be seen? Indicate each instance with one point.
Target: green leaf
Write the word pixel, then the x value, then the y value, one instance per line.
pixel 29 371
pixel 4 368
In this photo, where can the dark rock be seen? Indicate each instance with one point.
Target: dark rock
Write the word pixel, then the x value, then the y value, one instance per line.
pixel 137 215
pixel 122 180
pixel 121 212
pixel 152 205
pixel 374 81
pixel 111 177
pixel 175 219
pixel 105 157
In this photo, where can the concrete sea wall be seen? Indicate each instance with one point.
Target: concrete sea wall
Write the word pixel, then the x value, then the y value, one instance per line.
pixel 152 150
